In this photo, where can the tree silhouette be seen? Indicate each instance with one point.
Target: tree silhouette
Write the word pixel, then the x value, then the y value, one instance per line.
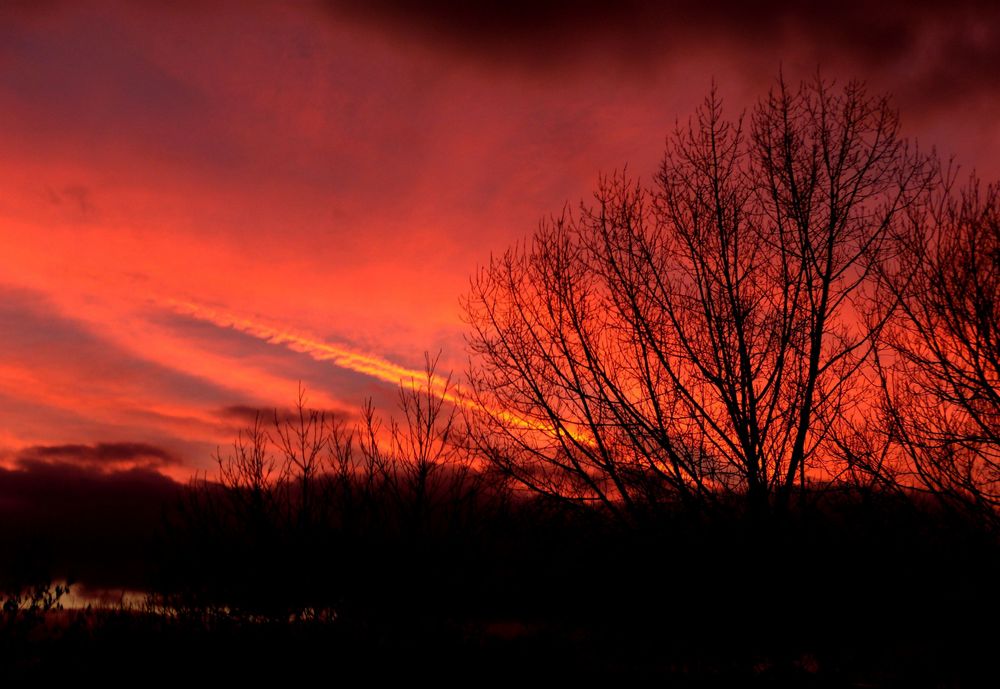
pixel 308 512
pixel 942 356
pixel 703 335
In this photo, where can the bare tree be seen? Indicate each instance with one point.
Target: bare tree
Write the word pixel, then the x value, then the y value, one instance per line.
pixel 248 474
pixel 302 438
pixel 306 509
pixel 941 374
pixel 419 463
pixel 704 335
pixel 275 471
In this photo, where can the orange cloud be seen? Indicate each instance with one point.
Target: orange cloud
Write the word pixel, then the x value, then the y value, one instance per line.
pixel 338 355
pixel 344 357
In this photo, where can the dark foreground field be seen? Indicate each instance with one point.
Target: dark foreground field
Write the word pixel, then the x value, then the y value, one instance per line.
pixel 850 590
pixel 123 646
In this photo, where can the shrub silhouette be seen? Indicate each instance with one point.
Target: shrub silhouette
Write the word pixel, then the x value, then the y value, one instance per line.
pixel 307 515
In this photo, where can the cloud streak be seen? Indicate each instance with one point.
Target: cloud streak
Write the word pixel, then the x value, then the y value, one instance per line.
pixel 338 355
pixel 359 362
pixel 929 50
pixel 101 456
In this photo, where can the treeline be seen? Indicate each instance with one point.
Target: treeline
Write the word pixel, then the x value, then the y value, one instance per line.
pixel 393 538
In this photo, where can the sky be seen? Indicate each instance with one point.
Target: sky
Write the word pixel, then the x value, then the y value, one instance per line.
pixel 205 205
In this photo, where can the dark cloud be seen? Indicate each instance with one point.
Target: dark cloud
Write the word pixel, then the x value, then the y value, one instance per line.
pixel 930 45
pixel 74 200
pixel 61 519
pixel 242 413
pixel 99 456
pixel 553 27
pixel 245 415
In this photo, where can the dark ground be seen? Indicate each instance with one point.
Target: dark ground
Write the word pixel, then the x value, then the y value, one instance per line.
pixel 848 591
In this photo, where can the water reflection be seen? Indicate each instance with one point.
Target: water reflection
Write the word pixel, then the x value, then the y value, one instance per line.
pixel 81 596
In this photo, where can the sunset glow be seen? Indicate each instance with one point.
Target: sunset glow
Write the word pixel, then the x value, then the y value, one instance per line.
pixel 178 200
pixel 397 343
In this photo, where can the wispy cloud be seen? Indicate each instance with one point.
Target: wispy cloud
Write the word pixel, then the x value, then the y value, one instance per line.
pixel 101 456
pixel 338 355
pixel 359 362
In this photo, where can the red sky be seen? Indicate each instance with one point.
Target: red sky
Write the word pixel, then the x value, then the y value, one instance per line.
pixel 181 184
